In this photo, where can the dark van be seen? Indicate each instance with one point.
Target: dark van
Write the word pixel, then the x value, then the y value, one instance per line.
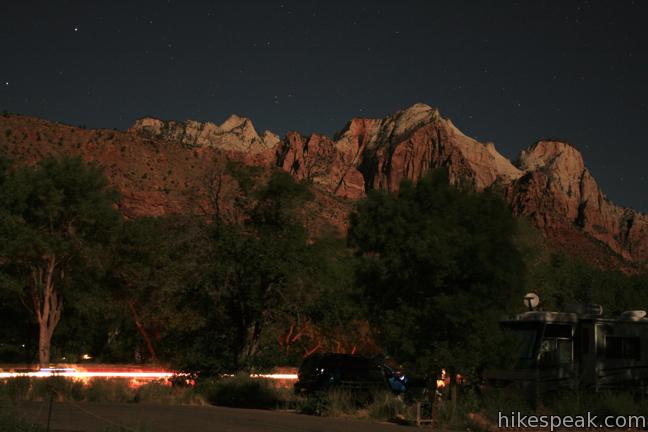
pixel 322 371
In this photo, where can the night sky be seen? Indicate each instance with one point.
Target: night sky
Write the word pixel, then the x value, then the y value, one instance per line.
pixel 508 72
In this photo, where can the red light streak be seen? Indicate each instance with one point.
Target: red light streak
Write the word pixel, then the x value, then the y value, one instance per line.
pixel 277 376
pixel 149 375
pixel 75 374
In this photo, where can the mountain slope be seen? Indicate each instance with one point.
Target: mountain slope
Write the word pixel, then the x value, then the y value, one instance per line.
pixel 161 167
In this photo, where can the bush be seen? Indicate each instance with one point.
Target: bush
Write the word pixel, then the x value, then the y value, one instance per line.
pixel 239 391
pixel 109 390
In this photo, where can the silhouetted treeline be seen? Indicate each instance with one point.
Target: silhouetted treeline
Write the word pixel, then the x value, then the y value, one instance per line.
pixel 423 277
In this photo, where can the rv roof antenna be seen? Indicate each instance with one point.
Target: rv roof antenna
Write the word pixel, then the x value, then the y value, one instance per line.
pixel 531 300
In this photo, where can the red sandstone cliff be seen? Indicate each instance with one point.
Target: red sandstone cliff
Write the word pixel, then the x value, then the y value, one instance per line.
pixel 160 167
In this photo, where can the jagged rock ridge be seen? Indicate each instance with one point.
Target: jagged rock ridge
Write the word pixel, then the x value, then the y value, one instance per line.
pixel 549 183
pixel 158 164
pixel 234 134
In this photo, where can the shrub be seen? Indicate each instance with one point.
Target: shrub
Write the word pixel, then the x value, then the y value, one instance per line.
pixel 239 391
pixel 109 390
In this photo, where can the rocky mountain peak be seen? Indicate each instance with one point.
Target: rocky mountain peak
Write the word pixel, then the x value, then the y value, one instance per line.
pixel 236 133
pixel 551 154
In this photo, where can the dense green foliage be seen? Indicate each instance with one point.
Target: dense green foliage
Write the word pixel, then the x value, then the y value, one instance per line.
pixel 440 267
pixel 561 280
pixel 423 277
pixel 261 277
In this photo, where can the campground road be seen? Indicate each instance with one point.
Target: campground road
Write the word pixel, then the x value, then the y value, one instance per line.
pixel 99 417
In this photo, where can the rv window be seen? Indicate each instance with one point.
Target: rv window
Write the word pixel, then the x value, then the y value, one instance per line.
pixel 555 352
pixel 622 347
pixel 522 338
pixel 560 331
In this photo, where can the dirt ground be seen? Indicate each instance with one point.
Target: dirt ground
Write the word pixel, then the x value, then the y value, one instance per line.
pixel 100 417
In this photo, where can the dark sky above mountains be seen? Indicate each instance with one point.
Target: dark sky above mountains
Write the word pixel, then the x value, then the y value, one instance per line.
pixel 511 72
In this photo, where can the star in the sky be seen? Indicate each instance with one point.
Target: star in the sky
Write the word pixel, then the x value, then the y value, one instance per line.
pixel 76 29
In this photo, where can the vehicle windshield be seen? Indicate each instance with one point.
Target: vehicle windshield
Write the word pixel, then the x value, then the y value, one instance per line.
pixel 522 339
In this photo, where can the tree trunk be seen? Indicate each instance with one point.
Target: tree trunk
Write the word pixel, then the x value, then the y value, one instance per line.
pixel 47 307
pixel 44 343
pixel 145 335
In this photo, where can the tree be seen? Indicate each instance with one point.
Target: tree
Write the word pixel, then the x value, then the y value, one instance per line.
pixel 52 215
pixel 151 259
pixel 257 276
pixel 561 280
pixel 255 267
pixel 439 269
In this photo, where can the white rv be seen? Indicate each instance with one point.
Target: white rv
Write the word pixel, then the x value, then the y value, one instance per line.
pixel 578 348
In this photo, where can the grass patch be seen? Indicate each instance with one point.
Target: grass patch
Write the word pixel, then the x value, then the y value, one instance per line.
pixel 386 406
pixel 340 402
pixel 109 390
pixel 159 392
pixel 96 390
pixel 27 389
pixel 609 403
pixel 10 421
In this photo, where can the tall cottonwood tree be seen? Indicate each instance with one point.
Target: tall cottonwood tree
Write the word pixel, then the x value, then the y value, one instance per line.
pixel 52 215
pixel 439 268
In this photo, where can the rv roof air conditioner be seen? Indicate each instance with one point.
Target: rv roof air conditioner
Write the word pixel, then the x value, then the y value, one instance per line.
pixel 585 310
pixel 633 315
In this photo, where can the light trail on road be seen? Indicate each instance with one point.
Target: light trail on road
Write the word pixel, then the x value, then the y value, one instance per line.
pixel 73 373
pixel 152 375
